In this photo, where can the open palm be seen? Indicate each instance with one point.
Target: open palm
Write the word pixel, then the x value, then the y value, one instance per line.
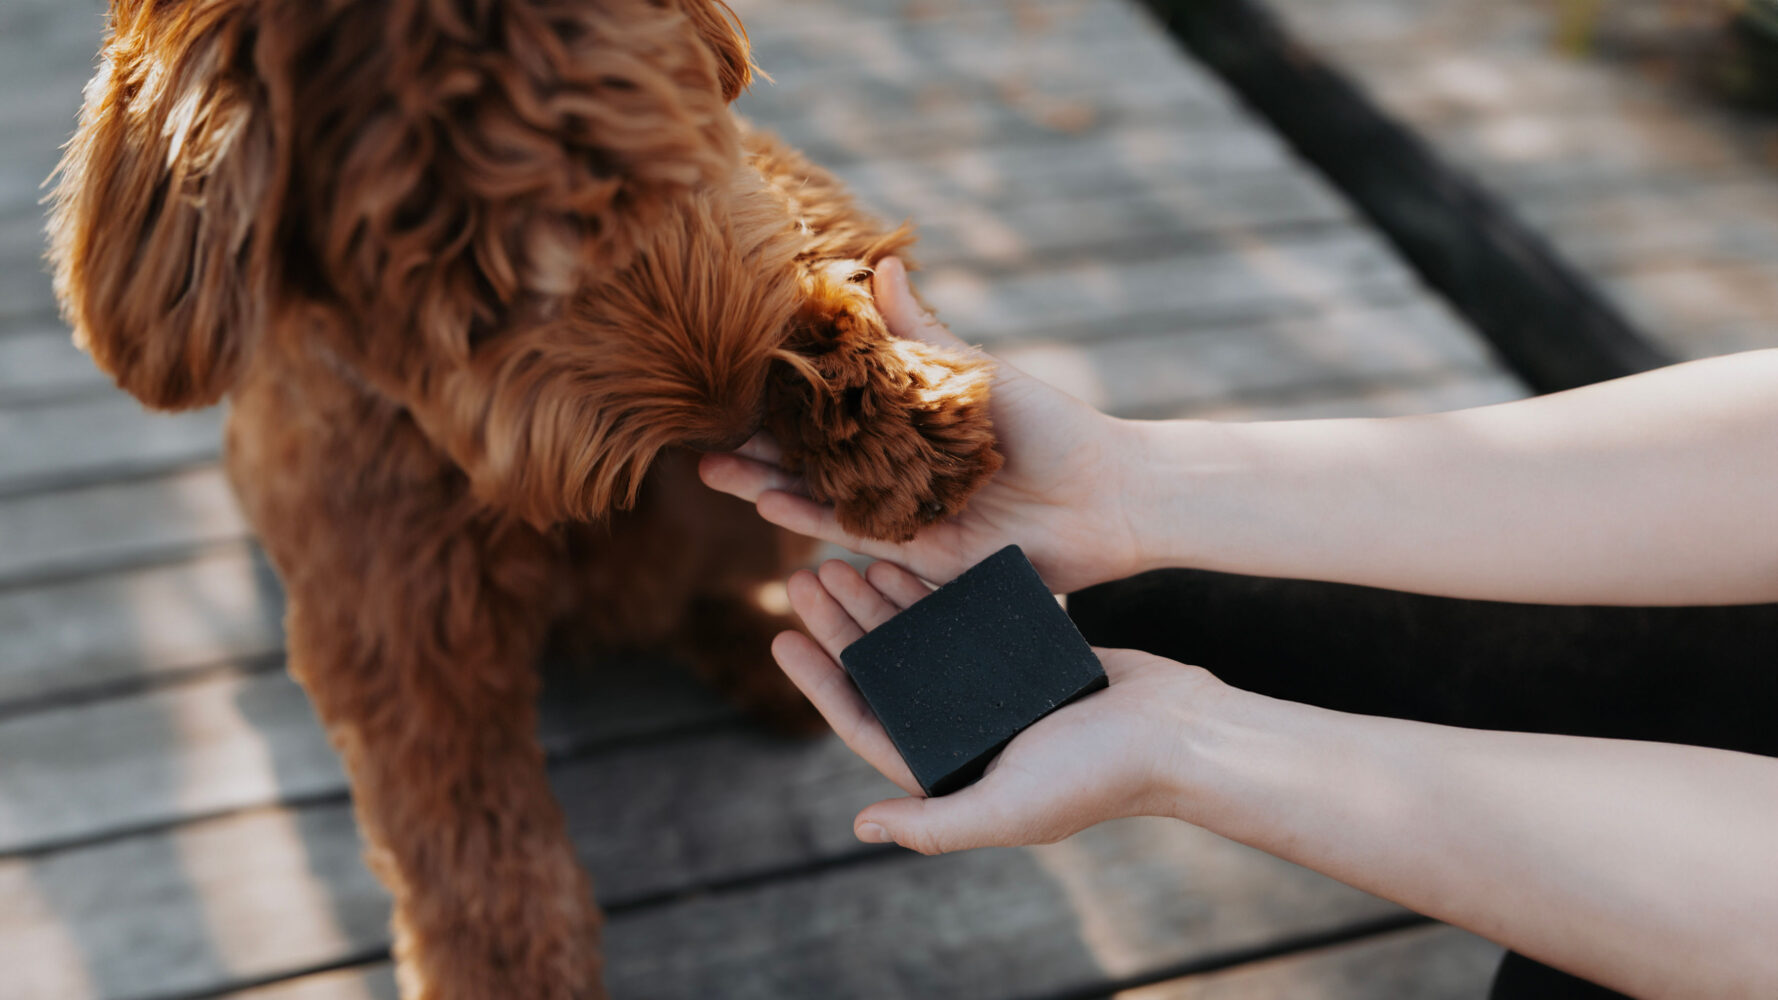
pixel 1099 758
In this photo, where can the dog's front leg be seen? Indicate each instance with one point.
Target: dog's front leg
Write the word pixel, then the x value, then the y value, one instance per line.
pixel 894 433
pixel 417 650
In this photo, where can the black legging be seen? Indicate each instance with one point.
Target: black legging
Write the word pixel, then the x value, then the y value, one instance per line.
pixel 1703 676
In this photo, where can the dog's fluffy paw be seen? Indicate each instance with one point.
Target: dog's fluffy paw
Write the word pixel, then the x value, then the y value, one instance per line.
pixel 894 433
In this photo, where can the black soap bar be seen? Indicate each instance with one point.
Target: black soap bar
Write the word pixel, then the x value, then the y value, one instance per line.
pixel 973 664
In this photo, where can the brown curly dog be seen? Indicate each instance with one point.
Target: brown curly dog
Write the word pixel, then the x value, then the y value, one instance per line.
pixel 474 275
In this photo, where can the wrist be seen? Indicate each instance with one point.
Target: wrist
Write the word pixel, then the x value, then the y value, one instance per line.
pixel 1122 476
pixel 1164 470
pixel 1256 769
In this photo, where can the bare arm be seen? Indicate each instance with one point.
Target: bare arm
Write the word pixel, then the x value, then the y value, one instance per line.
pixel 1650 868
pixel 1656 489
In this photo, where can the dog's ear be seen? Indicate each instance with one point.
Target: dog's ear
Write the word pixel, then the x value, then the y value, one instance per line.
pixel 722 32
pixel 157 201
pixel 464 166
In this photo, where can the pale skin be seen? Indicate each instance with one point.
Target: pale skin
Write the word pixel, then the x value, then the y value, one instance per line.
pixel 1649 868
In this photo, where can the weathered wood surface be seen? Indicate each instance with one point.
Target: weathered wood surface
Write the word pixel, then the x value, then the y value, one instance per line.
pixel 120 522
pixel 1431 963
pixel 171 819
pixel 1127 897
pixel 1423 963
pixel 118 627
pixel 1549 323
pixel 1668 199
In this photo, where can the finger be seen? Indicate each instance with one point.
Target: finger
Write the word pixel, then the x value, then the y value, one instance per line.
pixel 976 816
pixel 762 447
pixel 897 584
pixel 831 692
pixel 825 619
pixel 744 477
pixel 861 600
pixel 906 319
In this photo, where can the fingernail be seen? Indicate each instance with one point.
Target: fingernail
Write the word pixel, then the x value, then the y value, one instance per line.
pixel 871 833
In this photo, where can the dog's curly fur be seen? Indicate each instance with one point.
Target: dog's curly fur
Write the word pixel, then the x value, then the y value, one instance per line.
pixel 475 276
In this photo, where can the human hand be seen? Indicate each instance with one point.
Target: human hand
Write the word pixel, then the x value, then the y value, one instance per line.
pixel 1114 753
pixel 1059 495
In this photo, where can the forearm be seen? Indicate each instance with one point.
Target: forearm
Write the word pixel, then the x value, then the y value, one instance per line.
pixel 1652 868
pixel 1657 489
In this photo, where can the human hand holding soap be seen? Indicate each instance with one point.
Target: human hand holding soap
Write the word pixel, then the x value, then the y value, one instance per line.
pixel 957 675
pixel 1095 758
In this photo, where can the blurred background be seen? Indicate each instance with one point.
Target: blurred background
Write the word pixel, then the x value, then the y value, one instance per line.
pixel 1094 205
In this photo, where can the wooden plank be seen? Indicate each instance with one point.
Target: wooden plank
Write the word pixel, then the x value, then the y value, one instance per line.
pixel 1113 902
pixel 1466 82
pixel 1434 392
pixel 1613 230
pixel 1074 44
pixel 1371 26
pixel 39 363
pixel 669 836
pixel 105 436
pixel 1550 147
pixel 1423 963
pixel 1548 323
pixel 1061 166
pixel 101 770
pixel 1006 25
pixel 1706 307
pixel 135 626
pixel 371 982
pixel 50 535
pixel 1149 220
pixel 204 894
pixel 1665 197
pixel 25 293
pixel 1077 300
pixel 1181 368
pixel 177 912
pixel 1117 900
pixel 93 770
pixel 838 129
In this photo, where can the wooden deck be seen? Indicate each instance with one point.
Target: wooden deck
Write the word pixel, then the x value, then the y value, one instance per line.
pixel 1092 206
pixel 1667 199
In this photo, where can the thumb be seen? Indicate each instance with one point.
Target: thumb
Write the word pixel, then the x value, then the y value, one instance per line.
pixel 904 314
pixel 956 822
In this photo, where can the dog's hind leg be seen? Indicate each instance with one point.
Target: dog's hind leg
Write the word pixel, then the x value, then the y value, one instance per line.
pixel 694 573
pixel 727 638
pixel 415 638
